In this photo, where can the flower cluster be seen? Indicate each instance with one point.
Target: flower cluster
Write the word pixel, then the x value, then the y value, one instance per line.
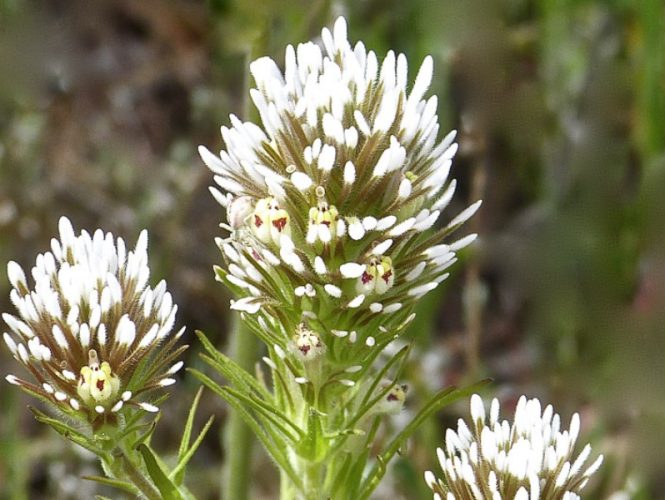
pixel 91 332
pixel 331 204
pixel 530 459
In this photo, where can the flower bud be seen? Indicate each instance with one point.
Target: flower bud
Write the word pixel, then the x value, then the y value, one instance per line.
pixel 269 221
pixel 322 223
pixel 306 344
pixel 238 211
pixel 378 277
pixel 393 402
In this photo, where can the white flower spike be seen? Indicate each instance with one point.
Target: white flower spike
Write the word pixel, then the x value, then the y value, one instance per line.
pixel 89 321
pixel 512 461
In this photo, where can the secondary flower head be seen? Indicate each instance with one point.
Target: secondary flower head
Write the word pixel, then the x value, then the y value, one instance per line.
pixel 92 333
pixel 530 459
pixel 337 193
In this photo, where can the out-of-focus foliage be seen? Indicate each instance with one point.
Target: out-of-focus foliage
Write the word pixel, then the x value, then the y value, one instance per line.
pixel 561 109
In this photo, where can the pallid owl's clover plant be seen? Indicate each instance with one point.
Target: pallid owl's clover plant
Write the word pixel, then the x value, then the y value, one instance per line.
pixel 333 207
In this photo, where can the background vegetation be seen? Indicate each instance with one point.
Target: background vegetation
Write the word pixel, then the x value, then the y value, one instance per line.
pixel 561 109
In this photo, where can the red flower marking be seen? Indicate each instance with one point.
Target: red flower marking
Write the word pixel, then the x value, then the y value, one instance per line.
pixel 391 397
pixel 326 223
pixel 386 276
pixel 258 222
pixel 279 223
pixel 100 384
pixel 305 349
pixel 366 278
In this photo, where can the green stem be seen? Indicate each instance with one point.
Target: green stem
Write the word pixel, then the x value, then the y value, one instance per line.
pixel 238 437
pixel 119 465
pixel 287 490
pixel 137 478
pixel 313 481
pixel 11 459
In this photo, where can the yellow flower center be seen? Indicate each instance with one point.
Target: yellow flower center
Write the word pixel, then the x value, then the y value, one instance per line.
pixel 98 385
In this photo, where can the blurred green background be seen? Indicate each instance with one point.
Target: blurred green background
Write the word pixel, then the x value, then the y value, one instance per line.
pixel 560 106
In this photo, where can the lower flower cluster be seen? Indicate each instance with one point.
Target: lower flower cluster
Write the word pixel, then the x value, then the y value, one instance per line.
pixel 92 333
pixel 530 459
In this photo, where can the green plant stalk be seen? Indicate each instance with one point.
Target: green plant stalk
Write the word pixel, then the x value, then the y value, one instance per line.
pixel 238 437
pixel 651 99
pixel 10 458
pixel 130 470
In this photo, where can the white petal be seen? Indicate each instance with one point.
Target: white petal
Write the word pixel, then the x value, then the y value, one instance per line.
pixel 352 270
pixel 332 290
pixel 301 181
pixel 356 302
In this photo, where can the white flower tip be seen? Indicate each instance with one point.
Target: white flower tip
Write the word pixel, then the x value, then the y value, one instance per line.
pixel 356 231
pixel 466 214
pixel 463 242
pixel 333 290
pixel 279 351
pixel 65 227
pixel 148 407
pixel 349 173
pixel 247 304
pixel 320 266
pixel 269 362
pixel 301 181
pixel 352 270
pixel 12 380
pixel 594 466
pixel 15 274
pixel 477 408
pixel 430 479
pixel 176 368
pixel 522 494
pixel 356 302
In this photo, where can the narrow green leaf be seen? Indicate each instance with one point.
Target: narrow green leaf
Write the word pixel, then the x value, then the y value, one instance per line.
pixel 368 402
pixel 232 398
pixel 114 483
pixel 146 435
pixel 187 433
pixel 166 488
pixel 273 414
pixel 68 432
pixel 312 445
pixel 273 444
pixel 178 473
pixel 229 368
